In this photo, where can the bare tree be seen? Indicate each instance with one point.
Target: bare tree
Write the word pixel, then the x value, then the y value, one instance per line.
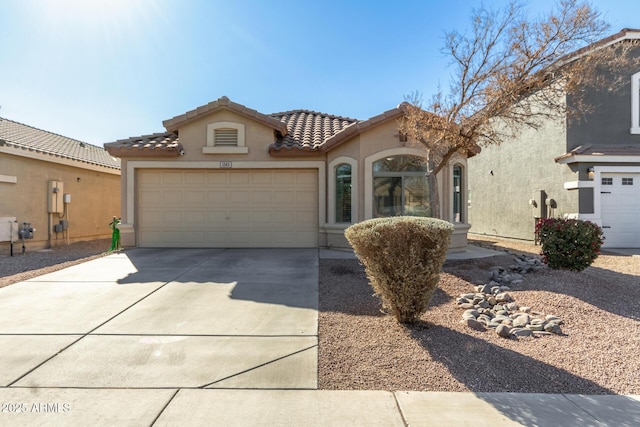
pixel 516 71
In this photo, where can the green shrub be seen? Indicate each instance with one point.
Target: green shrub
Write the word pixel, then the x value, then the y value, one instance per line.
pixel 402 257
pixel 569 244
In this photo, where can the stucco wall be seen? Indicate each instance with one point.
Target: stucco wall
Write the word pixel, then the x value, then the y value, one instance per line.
pixel 376 143
pixel 95 199
pixel 502 180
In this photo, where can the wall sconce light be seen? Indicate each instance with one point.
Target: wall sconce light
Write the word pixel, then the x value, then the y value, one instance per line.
pixel 591 173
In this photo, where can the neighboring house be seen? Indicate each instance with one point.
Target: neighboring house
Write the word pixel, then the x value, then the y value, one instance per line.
pixel 66 189
pixel 588 170
pixel 224 175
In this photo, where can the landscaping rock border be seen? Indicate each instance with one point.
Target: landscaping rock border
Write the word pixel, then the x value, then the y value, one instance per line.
pixel 492 307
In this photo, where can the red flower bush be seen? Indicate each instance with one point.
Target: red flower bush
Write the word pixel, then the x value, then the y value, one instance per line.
pixel 569 244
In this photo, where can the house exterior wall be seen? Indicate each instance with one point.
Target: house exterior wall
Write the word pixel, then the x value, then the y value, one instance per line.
pixel 371 145
pixel 193 137
pixel 504 179
pixel 95 199
pixel 377 140
pixel 610 121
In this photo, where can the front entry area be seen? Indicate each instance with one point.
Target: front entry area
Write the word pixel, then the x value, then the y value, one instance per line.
pixel 227 208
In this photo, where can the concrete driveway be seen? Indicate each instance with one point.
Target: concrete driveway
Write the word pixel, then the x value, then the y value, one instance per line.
pixel 163 318
pixel 214 337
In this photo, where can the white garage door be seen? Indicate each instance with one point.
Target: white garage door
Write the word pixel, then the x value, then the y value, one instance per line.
pixel 227 208
pixel 620 209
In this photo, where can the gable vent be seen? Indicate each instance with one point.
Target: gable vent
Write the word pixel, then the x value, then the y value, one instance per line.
pixel 226 137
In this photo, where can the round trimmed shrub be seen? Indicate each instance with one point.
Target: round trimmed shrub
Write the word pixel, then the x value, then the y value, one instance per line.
pixel 569 244
pixel 403 257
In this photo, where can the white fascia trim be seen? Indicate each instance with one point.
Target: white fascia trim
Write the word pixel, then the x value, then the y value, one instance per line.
pixel 599 159
pixel 20 152
pixel 574 185
pixel 331 202
pixel 172 164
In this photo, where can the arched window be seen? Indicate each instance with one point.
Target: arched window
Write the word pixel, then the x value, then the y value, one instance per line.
pixel 343 193
pixel 458 215
pixel 400 187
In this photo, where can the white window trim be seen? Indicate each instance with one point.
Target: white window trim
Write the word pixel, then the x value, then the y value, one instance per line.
pixel 332 188
pixel 211 148
pixel 635 103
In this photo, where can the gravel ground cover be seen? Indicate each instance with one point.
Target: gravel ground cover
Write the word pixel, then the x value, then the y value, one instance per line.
pixel 360 348
pixel 597 353
pixel 35 263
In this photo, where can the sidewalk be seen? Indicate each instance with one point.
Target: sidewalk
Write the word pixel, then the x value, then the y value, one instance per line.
pixel 216 407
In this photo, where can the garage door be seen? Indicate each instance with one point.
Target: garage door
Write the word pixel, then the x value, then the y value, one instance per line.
pixel 620 209
pixel 227 208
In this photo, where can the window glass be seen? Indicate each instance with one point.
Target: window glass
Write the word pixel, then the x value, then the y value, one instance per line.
pixel 457 194
pixel 343 193
pixel 627 181
pixel 400 187
pixel 607 181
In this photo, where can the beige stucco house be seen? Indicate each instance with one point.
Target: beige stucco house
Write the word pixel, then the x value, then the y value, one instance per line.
pixel 66 189
pixel 224 175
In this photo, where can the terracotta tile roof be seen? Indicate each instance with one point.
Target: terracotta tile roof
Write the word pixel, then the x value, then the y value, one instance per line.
pixel 23 137
pixel 596 151
pixel 297 132
pixel 308 130
pixel 162 143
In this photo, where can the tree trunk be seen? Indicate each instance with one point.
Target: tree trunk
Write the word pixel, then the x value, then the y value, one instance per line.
pixel 432 180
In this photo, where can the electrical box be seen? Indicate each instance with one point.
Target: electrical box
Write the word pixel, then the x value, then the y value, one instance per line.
pixel 538 204
pixel 55 197
pixel 26 231
pixel 67 198
pixel 8 229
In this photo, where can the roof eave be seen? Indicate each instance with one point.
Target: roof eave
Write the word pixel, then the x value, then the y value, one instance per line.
pixel 223 103
pixel 359 127
pixel 292 151
pixel 174 151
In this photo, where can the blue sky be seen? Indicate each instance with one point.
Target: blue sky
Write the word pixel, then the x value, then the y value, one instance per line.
pixel 102 70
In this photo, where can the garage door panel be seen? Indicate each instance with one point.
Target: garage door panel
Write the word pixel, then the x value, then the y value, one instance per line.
pixel 284 197
pixel 230 208
pixel 285 178
pixel 305 198
pixel 194 178
pixel 262 178
pixel 620 209
pixel 219 196
pixel 216 178
pixel 151 197
pixel 195 197
pixel 172 197
pixel 262 197
pixel 172 178
pixel 194 218
pixel 239 179
pixel 305 178
pixel 239 196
